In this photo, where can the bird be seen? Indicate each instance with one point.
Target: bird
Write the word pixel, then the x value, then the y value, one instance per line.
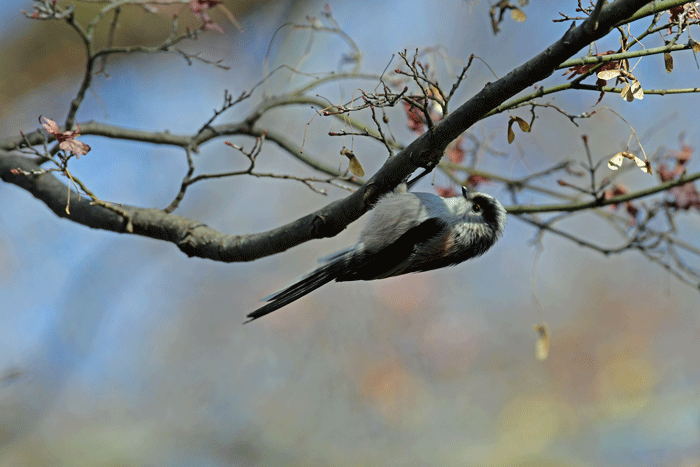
pixel 406 233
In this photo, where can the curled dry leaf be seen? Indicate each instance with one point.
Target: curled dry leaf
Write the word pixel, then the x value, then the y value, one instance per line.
pixel 695 45
pixel 415 118
pixel 511 133
pixel 601 83
pixel 66 139
pixel 615 161
pixel 354 163
pixel 524 127
pixel 356 167
pixel 197 6
pixel 542 344
pixel 668 62
pixel 518 15
pixel 49 125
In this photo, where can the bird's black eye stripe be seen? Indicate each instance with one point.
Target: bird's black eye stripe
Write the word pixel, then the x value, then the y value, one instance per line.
pixel 486 208
pixel 480 204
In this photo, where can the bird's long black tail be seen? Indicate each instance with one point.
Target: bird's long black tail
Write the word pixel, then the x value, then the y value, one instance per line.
pixel 321 276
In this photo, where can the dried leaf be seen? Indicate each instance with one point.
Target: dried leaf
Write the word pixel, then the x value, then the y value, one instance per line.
pixel 197 6
pixel 66 140
pixel 415 118
pixel 524 126
pixel 695 45
pixel 626 93
pixel 50 125
pixel 542 344
pixel 518 15
pixel 615 161
pixel 636 90
pixel 609 74
pixel 644 165
pixel 581 69
pixel 511 133
pixel 356 167
pixel 354 163
pixel 73 145
pixel 668 61
pixel 601 83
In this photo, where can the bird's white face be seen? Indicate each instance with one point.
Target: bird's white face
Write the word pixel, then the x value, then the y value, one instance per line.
pixel 480 208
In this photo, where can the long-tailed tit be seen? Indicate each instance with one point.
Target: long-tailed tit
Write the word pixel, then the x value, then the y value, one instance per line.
pixel 406 232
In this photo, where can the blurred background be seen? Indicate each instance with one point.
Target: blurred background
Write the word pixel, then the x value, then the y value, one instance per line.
pixel 119 350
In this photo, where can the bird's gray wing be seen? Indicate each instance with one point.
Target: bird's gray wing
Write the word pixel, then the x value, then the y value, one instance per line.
pixel 396 257
pixel 453 250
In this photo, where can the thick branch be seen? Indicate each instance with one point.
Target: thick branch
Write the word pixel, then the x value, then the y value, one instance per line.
pixel 191 236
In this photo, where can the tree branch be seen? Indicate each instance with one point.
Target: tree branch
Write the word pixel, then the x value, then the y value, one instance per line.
pixel 196 239
pixel 192 237
pixel 604 202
